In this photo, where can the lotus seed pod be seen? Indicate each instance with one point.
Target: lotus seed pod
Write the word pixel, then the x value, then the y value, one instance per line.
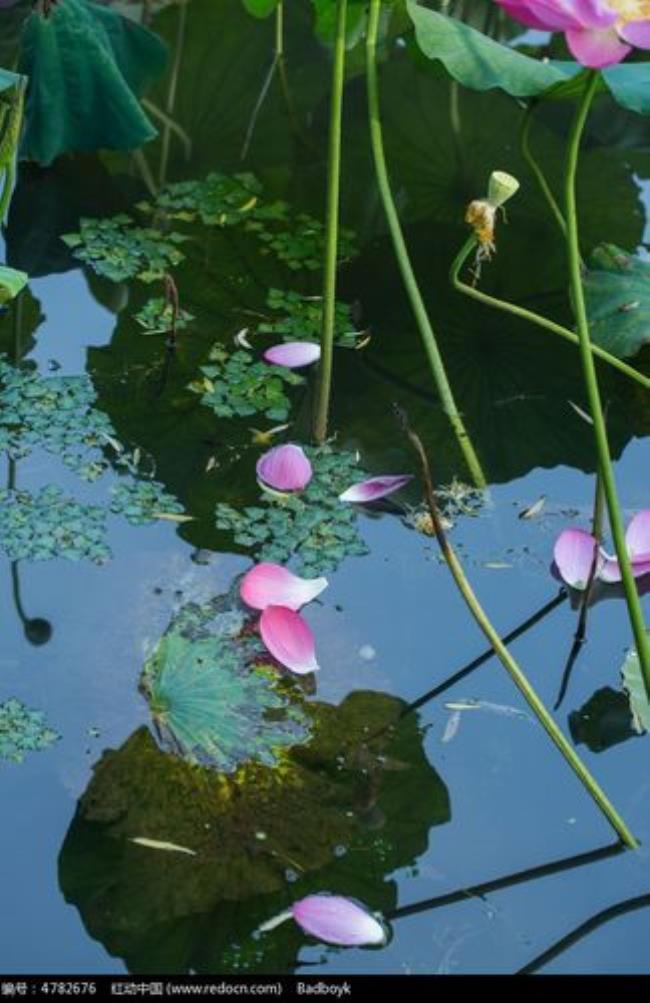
pixel 502 187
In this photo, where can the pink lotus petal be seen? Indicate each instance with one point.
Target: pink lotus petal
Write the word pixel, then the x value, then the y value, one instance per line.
pixel 375 487
pixel 285 468
pixel 637 536
pixel 272 585
pixel 637 33
pixel 337 920
pixel 596 48
pixel 611 569
pixel 289 639
pixel 573 554
pixel 293 354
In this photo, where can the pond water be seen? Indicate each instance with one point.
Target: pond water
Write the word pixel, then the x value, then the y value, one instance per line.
pixel 475 816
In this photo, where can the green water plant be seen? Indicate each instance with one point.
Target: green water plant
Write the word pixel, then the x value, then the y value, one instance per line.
pixel 297 239
pixel 236 385
pixel 49 524
pixel 300 318
pixel 119 250
pixel 311 527
pixel 23 731
pixel 12 99
pixel 157 317
pixel 217 200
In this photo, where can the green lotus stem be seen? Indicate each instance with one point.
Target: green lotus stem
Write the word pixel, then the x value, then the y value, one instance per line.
pixel 534 318
pixel 591 382
pixel 429 342
pixel 537 170
pixel 332 229
pixel 514 671
pixel 171 93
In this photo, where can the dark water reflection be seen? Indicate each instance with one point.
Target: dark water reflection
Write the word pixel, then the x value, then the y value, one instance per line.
pixel 502 850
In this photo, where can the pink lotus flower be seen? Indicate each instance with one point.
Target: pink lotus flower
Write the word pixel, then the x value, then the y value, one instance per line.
pixel 284 468
pixel 575 549
pixel 337 920
pixel 289 639
pixel 272 585
pixel 293 354
pixel 375 487
pixel 599 33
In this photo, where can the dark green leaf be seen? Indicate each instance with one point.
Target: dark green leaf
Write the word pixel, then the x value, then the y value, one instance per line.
pixel 617 288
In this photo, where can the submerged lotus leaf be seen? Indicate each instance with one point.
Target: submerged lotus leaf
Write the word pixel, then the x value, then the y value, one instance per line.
pixel 22 731
pixel 210 700
pixel 342 812
pixel 87 65
pixel 603 721
pixel 635 688
pixel 311 526
pixel 617 289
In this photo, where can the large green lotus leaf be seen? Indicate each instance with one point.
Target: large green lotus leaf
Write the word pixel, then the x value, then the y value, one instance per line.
pixel 87 65
pixel 341 814
pixel 12 20
pixel 209 699
pixel 617 288
pixel 11 282
pixel 634 687
pixel 214 105
pixel 477 61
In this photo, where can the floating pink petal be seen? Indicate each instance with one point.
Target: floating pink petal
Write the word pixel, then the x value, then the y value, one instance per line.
pixel 293 354
pixel 573 554
pixel 375 487
pixel 285 468
pixel 637 537
pixel 272 585
pixel 336 920
pixel 611 569
pixel 289 639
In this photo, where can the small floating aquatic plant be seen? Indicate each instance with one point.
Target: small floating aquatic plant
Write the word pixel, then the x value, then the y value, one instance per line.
pixel 22 731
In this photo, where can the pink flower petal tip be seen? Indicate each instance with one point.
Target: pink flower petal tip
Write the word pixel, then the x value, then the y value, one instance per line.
pixel 375 487
pixel 289 639
pixel 637 536
pixel 293 354
pixel 573 554
pixel 284 468
pixel 272 585
pixel 337 920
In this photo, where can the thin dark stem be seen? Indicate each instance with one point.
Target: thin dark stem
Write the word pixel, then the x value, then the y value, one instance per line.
pixel 480 660
pixel 620 909
pixel 537 170
pixel 580 635
pixel 508 881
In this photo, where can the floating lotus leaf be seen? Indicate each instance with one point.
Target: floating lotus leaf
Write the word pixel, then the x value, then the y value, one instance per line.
pixel 634 686
pixel 341 813
pixel 210 701
pixel 87 65
pixel 617 288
